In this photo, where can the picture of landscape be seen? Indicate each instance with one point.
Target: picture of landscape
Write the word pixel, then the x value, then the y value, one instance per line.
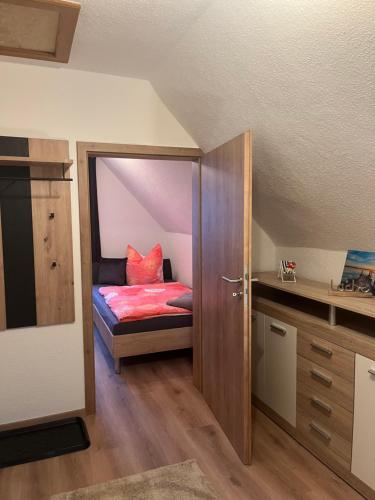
pixel 360 267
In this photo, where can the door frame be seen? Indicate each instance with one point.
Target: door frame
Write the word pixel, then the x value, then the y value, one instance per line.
pixel 86 150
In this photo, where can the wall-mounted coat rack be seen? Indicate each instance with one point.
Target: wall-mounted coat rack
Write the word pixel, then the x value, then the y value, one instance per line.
pixel 36 256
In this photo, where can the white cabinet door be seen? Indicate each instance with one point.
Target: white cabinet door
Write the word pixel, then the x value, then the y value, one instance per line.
pixel 258 355
pixel 363 457
pixel 281 368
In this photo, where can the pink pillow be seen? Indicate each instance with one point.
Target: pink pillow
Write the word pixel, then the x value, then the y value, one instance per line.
pixel 144 270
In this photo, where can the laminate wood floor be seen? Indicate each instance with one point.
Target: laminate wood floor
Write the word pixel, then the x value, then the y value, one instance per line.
pixel 152 416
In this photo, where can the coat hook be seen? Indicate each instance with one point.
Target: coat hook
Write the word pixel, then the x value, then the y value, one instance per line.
pixel 51 215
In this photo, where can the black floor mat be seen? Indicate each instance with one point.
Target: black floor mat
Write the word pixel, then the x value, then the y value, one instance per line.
pixel 41 441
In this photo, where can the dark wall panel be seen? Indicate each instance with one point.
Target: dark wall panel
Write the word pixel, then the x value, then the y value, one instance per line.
pixel 18 249
pixel 14 146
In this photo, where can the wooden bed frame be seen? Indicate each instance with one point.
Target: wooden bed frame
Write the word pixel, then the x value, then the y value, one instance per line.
pixel 134 344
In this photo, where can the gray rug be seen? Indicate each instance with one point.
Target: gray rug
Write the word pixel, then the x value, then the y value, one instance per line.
pixel 183 481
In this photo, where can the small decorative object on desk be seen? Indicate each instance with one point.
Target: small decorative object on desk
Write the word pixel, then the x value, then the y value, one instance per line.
pixel 287 271
pixel 358 277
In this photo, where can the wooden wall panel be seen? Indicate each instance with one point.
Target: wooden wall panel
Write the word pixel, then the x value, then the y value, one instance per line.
pixel 53 253
pixel 2 289
pixel 48 150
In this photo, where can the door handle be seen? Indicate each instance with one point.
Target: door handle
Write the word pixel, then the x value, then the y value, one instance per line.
pixel 278 329
pixel 316 427
pixel 229 280
pixel 318 402
pixel 371 371
pixel 321 377
pixel 321 349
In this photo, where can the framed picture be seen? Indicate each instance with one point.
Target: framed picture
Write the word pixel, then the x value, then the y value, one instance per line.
pixel 287 271
pixel 359 272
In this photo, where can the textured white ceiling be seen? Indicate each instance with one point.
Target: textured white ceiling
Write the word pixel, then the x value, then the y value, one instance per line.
pixel 299 73
pixel 130 37
pixel 163 188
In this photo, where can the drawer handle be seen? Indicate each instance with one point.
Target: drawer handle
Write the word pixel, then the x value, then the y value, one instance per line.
pixel 317 402
pixel 321 377
pixel 371 371
pixel 321 349
pixel 322 432
pixel 278 329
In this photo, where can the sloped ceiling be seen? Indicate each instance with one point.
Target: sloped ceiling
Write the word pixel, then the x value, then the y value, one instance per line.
pixel 163 188
pixel 299 73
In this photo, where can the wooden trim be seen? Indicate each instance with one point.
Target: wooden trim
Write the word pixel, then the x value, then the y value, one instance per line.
pixel 68 17
pixel 197 275
pixel 84 151
pixel 42 420
pixel 248 304
pixel 128 150
pixel 2 285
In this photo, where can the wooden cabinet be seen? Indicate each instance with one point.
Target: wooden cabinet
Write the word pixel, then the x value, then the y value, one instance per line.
pixel 281 368
pixel 274 369
pixel 363 459
pixel 258 358
pixel 314 372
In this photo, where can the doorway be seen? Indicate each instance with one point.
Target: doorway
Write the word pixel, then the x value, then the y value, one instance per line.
pixel 221 275
pixel 85 151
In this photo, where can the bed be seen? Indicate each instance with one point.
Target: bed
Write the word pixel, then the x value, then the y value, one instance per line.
pixel 143 336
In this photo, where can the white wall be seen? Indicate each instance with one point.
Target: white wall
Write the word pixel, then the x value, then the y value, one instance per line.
pixel 315 263
pixel 312 263
pixel 123 220
pixel 41 369
pixel 181 254
pixel 263 250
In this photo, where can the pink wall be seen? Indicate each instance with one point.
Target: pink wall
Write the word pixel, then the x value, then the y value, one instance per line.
pixel 123 220
pixel 163 188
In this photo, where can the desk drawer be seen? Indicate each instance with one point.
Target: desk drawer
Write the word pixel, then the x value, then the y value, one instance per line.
pixel 323 441
pixel 325 383
pixel 326 354
pixel 333 417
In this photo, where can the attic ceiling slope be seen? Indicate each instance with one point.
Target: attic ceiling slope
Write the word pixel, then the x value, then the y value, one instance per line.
pixel 163 188
pixel 301 76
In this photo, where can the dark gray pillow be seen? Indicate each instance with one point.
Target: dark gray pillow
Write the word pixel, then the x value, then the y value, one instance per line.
pixel 185 301
pixel 111 272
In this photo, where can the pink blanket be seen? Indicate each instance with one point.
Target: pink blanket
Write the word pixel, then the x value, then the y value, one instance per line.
pixel 129 303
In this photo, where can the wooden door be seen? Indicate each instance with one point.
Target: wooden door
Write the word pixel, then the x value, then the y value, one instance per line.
pixel 226 298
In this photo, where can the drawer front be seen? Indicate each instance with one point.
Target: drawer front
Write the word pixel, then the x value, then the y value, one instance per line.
pixel 329 414
pixel 323 441
pixel 281 368
pixel 325 383
pixel 363 465
pixel 330 356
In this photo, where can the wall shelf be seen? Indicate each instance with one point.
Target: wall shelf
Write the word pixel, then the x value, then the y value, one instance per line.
pixel 315 290
pixel 14 161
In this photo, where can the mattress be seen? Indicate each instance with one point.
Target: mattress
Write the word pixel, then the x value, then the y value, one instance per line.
pixel 144 325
